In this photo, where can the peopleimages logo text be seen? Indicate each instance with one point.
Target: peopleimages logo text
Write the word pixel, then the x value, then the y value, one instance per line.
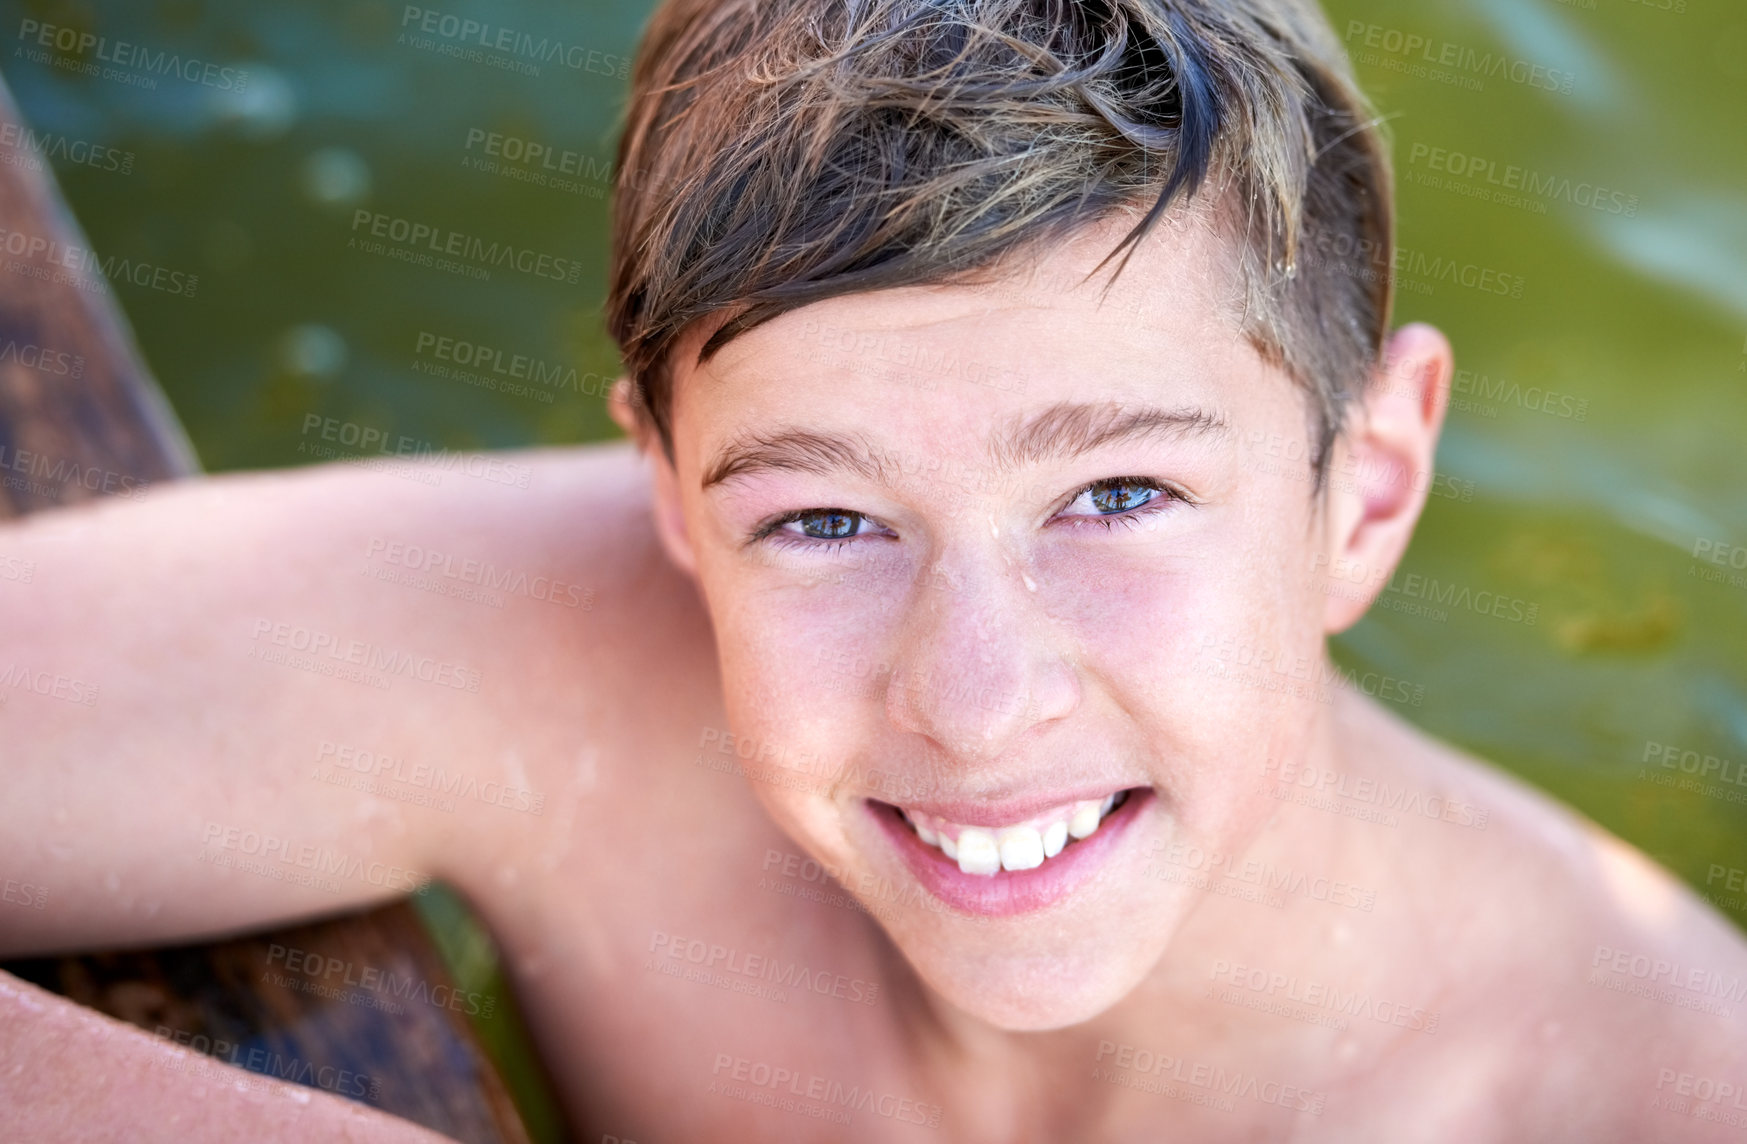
pixel 455 244
pixel 39 249
pixel 510 42
pixel 138 57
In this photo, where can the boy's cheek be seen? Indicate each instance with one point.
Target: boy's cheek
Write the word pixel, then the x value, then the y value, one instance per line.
pixel 808 819
pixel 1145 630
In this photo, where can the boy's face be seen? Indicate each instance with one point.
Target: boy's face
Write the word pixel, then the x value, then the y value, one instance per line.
pixel 990 556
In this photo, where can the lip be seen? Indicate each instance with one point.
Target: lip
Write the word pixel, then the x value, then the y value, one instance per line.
pixel 996 815
pixel 1009 892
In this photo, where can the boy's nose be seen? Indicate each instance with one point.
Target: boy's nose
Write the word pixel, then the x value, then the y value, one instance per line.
pixel 980 663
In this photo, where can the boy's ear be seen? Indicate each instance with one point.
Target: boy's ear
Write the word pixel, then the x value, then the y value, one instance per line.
pixel 622 407
pixel 1381 471
pixel 669 516
pixel 626 411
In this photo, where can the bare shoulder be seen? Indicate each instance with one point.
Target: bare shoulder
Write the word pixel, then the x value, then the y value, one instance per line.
pixel 538 577
pixel 592 646
pixel 1595 987
pixel 536 573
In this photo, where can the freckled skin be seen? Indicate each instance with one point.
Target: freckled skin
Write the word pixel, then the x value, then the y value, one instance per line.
pixel 1181 652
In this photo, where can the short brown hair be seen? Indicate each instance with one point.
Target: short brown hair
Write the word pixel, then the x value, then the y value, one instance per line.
pixel 778 152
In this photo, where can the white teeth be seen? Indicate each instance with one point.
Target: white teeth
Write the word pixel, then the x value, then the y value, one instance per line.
pixel 987 851
pixel 977 852
pixel 1021 848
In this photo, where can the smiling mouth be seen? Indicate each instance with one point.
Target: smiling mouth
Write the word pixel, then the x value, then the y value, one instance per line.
pixel 1026 845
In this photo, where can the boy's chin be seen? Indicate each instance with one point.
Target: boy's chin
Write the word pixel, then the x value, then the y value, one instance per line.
pixel 1019 998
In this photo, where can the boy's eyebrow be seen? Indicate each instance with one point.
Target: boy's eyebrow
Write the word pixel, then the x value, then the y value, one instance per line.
pixel 798 451
pixel 1070 428
pixel 1061 432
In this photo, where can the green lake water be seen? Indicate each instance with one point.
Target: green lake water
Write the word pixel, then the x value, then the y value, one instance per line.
pixel 1573 212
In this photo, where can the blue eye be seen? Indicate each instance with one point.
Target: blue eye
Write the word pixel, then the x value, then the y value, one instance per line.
pixel 827 530
pixel 1114 497
pixel 829 523
pixel 1111 497
pixel 1127 501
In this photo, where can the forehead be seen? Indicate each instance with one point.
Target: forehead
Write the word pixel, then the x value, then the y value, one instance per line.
pixel 1047 327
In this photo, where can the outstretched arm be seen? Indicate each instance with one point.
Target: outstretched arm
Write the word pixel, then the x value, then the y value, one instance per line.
pixel 247 699
pixel 69 1074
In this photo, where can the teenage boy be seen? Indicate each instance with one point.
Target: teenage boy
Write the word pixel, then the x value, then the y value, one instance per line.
pixel 942 743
